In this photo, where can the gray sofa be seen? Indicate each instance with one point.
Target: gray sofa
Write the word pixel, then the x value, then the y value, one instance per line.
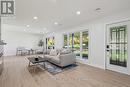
pixel 62 60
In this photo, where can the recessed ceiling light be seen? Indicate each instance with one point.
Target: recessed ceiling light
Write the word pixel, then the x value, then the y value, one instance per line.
pixel 28 25
pixel 35 18
pixel 56 23
pixel 78 12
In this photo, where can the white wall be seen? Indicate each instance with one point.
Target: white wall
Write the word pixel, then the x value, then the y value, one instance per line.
pixel 97 37
pixel 16 39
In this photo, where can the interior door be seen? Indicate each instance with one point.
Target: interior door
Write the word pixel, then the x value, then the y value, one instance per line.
pixel 117 47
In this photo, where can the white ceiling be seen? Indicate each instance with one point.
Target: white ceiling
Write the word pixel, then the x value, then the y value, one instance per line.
pixel 61 11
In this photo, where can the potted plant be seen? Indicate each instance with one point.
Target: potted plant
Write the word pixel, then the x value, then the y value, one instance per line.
pixel 41 45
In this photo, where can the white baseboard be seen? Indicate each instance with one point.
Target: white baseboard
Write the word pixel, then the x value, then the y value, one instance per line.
pixel 87 63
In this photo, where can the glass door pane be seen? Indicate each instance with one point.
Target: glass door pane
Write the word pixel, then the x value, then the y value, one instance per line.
pixel 85 45
pixel 51 43
pixel 118 46
pixel 71 41
pixel 76 45
pixel 65 41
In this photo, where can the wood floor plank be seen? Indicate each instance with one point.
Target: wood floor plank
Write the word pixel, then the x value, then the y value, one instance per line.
pixel 16 73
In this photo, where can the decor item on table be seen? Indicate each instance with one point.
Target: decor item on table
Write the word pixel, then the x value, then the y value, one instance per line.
pixel 36 59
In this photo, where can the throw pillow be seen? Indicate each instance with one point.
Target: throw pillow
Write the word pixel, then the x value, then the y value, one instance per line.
pixel 58 54
pixel 65 51
pixel 53 52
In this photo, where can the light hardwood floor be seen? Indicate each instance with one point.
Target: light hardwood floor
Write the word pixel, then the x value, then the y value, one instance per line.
pixel 17 74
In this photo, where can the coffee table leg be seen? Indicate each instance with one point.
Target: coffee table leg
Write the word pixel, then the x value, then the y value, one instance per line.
pixel 44 65
pixel 29 63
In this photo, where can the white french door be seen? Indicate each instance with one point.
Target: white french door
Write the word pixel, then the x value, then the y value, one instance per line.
pixel 117 47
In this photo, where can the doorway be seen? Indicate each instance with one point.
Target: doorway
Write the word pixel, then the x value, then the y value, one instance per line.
pixel 117 47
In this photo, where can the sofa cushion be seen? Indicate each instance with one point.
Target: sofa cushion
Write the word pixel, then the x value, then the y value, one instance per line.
pixel 53 52
pixel 54 59
pixel 58 55
pixel 48 51
pixel 65 51
pixel 47 56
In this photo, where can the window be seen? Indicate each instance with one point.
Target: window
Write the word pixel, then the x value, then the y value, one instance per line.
pixel 85 45
pixel 78 43
pixel 71 40
pixel 65 41
pixel 50 43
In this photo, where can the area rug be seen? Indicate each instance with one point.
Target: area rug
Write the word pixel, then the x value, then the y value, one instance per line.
pixel 53 69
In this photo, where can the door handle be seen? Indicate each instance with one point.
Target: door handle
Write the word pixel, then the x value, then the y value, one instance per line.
pixel 108 50
pixel 107 47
